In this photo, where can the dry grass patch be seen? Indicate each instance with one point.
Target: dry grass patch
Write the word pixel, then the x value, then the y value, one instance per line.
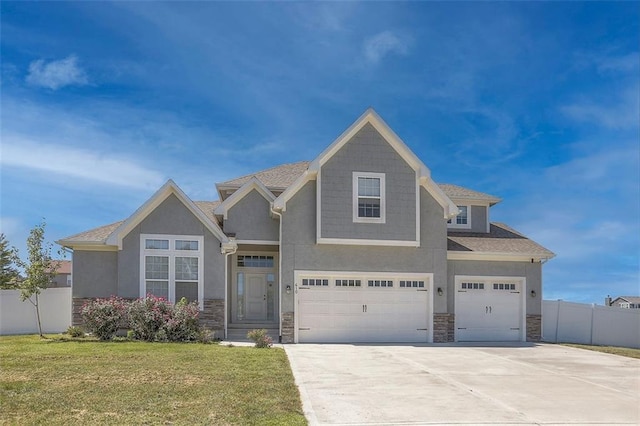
pixel 628 352
pixel 80 381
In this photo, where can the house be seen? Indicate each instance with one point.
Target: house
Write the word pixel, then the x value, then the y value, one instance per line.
pixel 626 302
pixel 358 245
pixel 62 277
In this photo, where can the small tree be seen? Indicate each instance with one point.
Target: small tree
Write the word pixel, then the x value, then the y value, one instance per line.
pixel 39 269
pixel 9 276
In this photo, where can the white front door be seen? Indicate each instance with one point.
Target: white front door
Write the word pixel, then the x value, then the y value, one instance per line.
pixel 361 307
pixel 256 301
pixel 489 309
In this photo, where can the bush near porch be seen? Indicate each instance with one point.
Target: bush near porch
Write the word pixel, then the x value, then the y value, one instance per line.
pixel 85 381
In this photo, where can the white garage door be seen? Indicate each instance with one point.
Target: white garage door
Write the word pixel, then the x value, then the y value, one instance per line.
pixel 489 309
pixel 350 308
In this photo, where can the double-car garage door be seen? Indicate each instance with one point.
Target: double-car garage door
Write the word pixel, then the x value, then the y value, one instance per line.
pixel 363 307
pixel 489 309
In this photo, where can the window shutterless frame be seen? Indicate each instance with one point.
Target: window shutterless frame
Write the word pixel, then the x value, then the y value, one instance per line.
pixel 369 197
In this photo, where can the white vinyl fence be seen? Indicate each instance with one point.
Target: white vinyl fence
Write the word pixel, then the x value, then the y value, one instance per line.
pixel 17 317
pixel 590 324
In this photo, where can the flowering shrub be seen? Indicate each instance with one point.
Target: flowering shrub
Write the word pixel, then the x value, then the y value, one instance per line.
pixel 103 317
pixel 183 324
pixel 148 316
pixel 260 338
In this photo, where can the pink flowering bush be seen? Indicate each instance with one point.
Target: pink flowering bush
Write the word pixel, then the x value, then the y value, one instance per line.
pixel 183 324
pixel 103 317
pixel 148 316
pixel 260 338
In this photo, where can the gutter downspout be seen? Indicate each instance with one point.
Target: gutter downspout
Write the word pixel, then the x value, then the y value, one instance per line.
pixel 227 250
pixel 279 272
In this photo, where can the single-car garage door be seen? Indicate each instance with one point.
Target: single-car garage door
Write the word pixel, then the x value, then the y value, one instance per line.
pixel 363 307
pixel 489 309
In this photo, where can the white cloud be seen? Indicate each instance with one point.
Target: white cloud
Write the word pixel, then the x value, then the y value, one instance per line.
pixel 380 45
pixel 56 74
pixel 619 111
pixel 76 163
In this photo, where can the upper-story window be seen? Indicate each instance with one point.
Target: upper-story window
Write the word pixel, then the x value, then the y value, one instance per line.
pixel 368 197
pixel 463 220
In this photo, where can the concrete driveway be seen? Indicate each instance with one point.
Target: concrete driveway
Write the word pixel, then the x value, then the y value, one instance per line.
pixel 465 384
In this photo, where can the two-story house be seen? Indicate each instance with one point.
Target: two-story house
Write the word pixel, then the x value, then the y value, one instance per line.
pixel 358 245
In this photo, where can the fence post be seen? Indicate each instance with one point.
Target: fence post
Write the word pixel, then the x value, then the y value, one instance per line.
pixel 593 308
pixel 557 320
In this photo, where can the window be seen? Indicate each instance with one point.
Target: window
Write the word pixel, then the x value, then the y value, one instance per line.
pixel 473 286
pixel 255 261
pixel 463 220
pixel 504 286
pixel 171 268
pixel 348 283
pixel 368 197
pixel 412 284
pixel 380 283
pixel 315 282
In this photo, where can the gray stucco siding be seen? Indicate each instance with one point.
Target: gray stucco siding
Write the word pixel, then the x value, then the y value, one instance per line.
pixel 95 273
pixel 300 251
pixel 532 272
pixel 171 217
pixel 250 219
pixel 478 220
pixel 369 152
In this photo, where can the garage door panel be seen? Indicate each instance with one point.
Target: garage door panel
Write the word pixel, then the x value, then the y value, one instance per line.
pixel 488 309
pixel 364 314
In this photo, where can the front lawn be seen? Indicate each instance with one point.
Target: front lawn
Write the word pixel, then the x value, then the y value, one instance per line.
pixel 58 381
pixel 616 350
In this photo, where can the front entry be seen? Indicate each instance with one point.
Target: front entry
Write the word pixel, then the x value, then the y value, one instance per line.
pixel 256 300
pixel 254 289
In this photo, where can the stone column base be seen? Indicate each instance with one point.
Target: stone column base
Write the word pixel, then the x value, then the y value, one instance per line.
pixel 76 309
pixel 213 316
pixel 288 331
pixel 534 328
pixel 443 328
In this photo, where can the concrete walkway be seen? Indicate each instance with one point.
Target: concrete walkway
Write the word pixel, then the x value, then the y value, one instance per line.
pixel 470 384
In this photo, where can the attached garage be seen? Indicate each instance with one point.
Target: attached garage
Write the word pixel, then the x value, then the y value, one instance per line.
pixel 490 309
pixel 352 307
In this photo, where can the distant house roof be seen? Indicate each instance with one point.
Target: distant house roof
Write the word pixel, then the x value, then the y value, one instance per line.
pixel 458 192
pixel 279 177
pixel 627 299
pixel 65 267
pixel 500 239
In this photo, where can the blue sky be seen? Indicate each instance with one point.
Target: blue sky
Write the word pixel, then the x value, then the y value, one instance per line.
pixel 537 103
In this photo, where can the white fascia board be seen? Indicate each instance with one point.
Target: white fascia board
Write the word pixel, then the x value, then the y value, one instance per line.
pixel 87 245
pixel 500 257
pixel 362 242
pixel 243 191
pixel 280 203
pixel 115 238
pixel 450 208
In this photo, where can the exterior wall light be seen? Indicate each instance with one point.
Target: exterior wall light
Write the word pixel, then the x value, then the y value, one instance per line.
pixel 533 293
pixel 440 292
pixel 288 289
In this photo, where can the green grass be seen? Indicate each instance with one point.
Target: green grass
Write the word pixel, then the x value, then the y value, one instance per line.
pixel 628 352
pixel 64 381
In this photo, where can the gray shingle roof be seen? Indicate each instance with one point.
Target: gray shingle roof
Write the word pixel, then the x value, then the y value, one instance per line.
pixel 100 234
pixel 458 192
pixel 500 239
pixel 279 177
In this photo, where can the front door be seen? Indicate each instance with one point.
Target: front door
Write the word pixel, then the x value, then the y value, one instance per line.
pixel 256 301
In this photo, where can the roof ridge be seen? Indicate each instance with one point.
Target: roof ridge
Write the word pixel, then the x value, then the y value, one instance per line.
pixel 248 175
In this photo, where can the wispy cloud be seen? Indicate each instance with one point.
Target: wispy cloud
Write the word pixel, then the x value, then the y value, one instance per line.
pixel 56 74
pixel 384 43
pixel 81 164
pixel 621 112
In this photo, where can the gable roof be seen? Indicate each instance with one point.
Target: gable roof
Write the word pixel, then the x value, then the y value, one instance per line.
pixel 252 184
pixel 456 192
pixel 372 118
pixel 628 299
pixel 275 178
pixel 501 240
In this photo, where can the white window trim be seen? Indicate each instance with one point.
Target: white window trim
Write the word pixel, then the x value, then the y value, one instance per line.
pixel 172 253
pixel 356 218
pixel 467 225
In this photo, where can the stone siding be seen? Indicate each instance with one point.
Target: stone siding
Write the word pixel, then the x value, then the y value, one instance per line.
pixel 443 328
pixel 534 328
pixel 288 331
pixel 213 316
pixel 76 309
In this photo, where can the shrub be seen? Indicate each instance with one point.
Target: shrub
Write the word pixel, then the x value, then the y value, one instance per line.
pixel 103 317
pixel 260 338
pixel 183 324
pixel 75 331
pixel 148 316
